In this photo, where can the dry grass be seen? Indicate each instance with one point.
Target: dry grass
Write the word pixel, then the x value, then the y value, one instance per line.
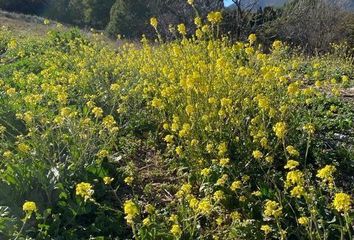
pixel 31 25
pixel 25 24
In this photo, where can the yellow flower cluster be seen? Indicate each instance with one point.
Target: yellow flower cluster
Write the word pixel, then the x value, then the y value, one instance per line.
pixel 29 207
pixel 272 209
pixel 84 190
pixel 291 164
pixel 280 129
pixel 266 229
pixel 108 180
pixel 153 22
pixel 205 207
pixel 176 230
pixel 326 173
pixel 342 202
pixel 295 177
pixel 303 220
pixel 130 210
pixel 215 17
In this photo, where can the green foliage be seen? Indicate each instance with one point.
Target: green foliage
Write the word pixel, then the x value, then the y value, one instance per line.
pixel 128 18
pixel 89 13
pixel 23 6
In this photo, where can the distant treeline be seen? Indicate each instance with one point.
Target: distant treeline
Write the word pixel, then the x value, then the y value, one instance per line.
pixel 311 24
pixel 126 17
pixel 94 13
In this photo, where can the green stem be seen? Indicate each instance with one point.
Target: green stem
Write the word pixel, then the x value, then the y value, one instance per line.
pixel 23 226
pixel 307 149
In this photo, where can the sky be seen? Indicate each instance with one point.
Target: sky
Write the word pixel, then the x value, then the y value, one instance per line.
pixel 227 2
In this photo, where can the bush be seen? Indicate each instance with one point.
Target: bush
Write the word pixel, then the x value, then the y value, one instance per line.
pixel 128 18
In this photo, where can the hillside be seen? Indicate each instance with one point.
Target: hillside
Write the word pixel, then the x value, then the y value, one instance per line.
pixel 279 3
pixel 24 24
pixel 262 3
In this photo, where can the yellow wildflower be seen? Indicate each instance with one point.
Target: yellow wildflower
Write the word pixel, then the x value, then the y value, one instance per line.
pixel 157 103
pixel 198 21
pixel 303 220
pixel 7 154
pixel 29 207
pixel 153 22
pixel 269 159
pixel 184 190
pixel 11 91
pixel 295 177
pixel 266 229
pixel 309 128
pixel 292 151
pixel 252 38
pixel 257 154
pixel 214 17
pixel 179 150
pixel 224 161
pixel 176 230
pixel 182 29
pixel 257 193
pixel 108 180
pixel 326 173
pixel 84 190
pixel 297 191
pixel 169 138
pixel 293 88
pixel 242 198
pixel 129 180
pixel 130 210
pixel 205 172
pixel 189 109
pixel 291 164
pixel 22 147
pixel 221 181
pixel 219 195
pixel 342 202
pixel 236 185
pixel 205 207
pixel 277 45
pixel 245 178
pixel 280 129
pixel 147 221
pixel 272 208
pixel 149 208
pixel 173 218
pixel 209 147
pixel 235 216
pixel 97 112
pixel 2 129
pixel 193 203
pixel 102 153
pixel 109 122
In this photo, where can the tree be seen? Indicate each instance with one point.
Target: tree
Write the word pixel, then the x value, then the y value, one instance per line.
pixel 313 24
pixel 247 16
pixel 179 11
pixel 131 18
pixel 24 6
pixel 242 17
pixel 93 13
pixel 128 18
